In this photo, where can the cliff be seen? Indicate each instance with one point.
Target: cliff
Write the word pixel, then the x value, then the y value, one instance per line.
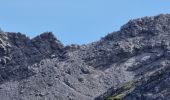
pixel 130 64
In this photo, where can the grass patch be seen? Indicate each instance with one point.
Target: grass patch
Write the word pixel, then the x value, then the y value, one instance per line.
pixel 122 91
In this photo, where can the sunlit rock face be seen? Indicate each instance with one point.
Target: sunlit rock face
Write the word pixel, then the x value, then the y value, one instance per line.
pixel 130 64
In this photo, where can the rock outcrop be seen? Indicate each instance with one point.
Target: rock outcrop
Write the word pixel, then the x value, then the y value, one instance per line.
pixel 130 64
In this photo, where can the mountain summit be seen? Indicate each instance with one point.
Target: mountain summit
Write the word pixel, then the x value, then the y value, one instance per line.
pixel 130 64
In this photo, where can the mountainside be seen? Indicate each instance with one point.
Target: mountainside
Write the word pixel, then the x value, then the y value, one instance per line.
pixel 130 64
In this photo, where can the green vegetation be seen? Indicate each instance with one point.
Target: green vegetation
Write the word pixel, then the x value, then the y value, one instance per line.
pixel 116 97
pixel 122 91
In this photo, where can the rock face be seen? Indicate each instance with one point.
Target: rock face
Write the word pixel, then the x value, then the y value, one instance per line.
pixel 130 64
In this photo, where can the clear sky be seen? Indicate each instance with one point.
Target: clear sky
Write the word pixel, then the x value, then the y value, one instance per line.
pixel 75 21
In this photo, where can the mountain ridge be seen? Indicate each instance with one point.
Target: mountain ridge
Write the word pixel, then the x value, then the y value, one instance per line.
pixel 122 65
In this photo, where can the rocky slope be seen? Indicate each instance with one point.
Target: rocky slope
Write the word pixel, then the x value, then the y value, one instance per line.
pixel 130 64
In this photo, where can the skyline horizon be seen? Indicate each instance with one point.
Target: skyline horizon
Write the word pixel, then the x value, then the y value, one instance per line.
pixel 75 22
pixel 85 43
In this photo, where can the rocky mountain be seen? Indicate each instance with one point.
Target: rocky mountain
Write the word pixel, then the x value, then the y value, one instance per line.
pixel 130 64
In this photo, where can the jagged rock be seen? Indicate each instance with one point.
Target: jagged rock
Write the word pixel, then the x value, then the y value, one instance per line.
pixel 131 64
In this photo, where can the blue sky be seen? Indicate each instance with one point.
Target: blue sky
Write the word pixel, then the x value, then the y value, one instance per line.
pixel 75 21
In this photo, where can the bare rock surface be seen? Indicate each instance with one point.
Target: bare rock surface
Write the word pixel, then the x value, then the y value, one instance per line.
pixel 130 64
